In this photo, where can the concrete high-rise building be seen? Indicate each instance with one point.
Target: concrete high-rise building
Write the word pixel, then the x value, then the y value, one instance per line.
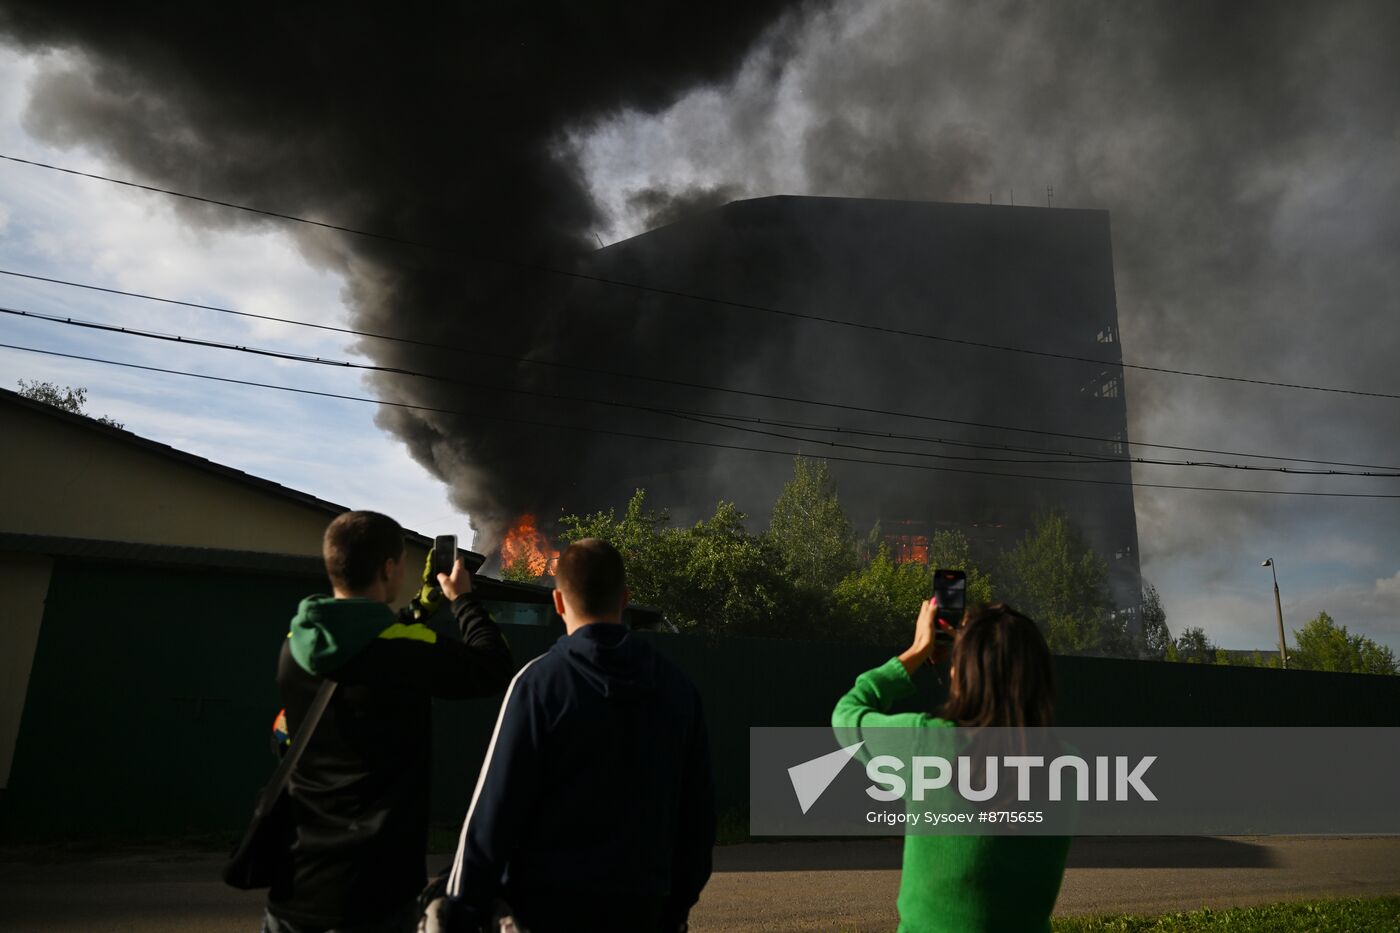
pixel 1034 278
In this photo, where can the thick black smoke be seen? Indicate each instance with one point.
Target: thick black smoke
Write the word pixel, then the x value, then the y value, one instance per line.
pixel 436 123
pixel 1249 153
pixel 658 207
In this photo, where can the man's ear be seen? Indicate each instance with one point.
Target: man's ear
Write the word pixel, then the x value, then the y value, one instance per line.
pixel 558 603
pixel 626 597
pixel 391 567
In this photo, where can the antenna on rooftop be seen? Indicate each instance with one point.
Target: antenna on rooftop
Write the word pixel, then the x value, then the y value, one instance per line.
pixel 1049 195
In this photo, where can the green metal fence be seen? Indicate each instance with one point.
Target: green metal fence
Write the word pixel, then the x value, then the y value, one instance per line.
pixel 152 693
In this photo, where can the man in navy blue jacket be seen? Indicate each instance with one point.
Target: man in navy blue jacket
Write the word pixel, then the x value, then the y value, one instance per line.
pixel 594 808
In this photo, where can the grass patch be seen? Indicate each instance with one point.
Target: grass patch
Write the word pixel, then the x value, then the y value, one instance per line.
pixel 1342 915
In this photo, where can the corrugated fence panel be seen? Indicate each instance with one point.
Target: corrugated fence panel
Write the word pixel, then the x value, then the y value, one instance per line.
pixel 152 694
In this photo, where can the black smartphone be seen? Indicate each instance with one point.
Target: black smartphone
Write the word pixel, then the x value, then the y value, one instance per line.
pixel 950 589
pixel 444 554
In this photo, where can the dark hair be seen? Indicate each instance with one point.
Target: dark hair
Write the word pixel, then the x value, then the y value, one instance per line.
pixel 356 546
pixel 590 575
pixel 1003 671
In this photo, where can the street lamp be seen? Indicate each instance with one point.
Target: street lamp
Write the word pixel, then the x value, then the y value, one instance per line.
pixel 1278 607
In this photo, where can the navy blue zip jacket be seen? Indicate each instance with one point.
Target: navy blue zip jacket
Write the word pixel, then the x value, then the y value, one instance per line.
pixel 596 794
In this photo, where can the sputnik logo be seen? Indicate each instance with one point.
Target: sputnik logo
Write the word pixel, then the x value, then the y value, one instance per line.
pixel 811 778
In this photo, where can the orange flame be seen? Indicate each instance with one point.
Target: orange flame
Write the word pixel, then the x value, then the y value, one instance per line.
pixel 524 543
pixel 909 549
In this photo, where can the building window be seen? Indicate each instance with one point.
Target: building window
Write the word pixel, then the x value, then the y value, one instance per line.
pixel 908 549
pixel 1107 336
pixel 1102 385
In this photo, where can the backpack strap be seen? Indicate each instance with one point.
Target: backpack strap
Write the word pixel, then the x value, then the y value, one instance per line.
pixel 289 761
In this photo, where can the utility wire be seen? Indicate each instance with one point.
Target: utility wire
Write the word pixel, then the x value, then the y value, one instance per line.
pixel 614 403
pixel 535 361
pixel 690 441
pixel 712 300
pixel 724 389
pixel 1087 460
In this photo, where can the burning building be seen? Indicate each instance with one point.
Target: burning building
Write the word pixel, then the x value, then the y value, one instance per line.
pixel 921 434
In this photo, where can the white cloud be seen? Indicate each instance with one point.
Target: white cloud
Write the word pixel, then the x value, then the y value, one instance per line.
pixel 88 231
pixel 1388 591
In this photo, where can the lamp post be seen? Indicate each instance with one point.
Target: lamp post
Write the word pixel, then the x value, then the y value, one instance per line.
pixel 1278 607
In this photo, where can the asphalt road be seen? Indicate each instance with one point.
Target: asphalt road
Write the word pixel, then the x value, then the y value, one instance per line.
pixel 790 886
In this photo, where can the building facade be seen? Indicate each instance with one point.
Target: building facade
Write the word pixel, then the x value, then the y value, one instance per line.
pixel 924 427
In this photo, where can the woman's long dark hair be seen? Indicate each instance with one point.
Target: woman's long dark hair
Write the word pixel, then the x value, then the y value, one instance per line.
pixel 1002 672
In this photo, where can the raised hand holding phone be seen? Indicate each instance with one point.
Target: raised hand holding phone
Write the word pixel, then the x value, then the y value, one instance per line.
pixel 923 646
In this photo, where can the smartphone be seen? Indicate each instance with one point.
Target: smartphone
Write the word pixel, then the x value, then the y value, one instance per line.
pixel 444 554
pixel 950 589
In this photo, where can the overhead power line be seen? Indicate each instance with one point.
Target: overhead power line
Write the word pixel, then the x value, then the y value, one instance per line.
pixel 614 403
pixel 709 299
pixel 690 441
pixel 749 393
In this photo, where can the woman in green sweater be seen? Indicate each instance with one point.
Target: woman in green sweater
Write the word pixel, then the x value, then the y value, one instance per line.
pixel 1000 676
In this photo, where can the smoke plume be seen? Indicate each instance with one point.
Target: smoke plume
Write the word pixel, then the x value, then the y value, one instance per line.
pixel 1249 154
pixel 439 124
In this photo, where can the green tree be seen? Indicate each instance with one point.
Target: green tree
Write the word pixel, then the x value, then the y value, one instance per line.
pixel 868 548
pixel 730 581
pixel 518 571
pixel 1056 578
pixel 1195 647
pixel 1116 638
pixel 1155 635
pixel 880 601
pixel 1322 645
pixel 651 556
pixel 713 577
pixel 67 398
pixel 810 530
pixel 949 550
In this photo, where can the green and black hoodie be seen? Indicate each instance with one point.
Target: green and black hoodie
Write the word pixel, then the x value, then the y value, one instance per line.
pixel 360 792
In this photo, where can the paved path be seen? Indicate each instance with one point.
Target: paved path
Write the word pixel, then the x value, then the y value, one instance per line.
pixel 791 886
pixel 851 885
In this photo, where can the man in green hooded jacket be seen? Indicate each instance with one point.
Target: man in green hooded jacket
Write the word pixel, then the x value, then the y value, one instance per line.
pixel 360 792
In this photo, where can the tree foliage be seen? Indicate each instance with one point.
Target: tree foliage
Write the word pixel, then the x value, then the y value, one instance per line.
pixel 1053 576
pixel 713 577
pixel 1195 647
pixel 1156 638
pixel 879 602
pixel 639 535
pixel 950 550
pixel 518 571
pixel 808 575
pixel 67 398
pixel 1322 645
pixel 810 530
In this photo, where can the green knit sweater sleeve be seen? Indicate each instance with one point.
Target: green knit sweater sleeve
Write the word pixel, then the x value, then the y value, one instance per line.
pixel 864 714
